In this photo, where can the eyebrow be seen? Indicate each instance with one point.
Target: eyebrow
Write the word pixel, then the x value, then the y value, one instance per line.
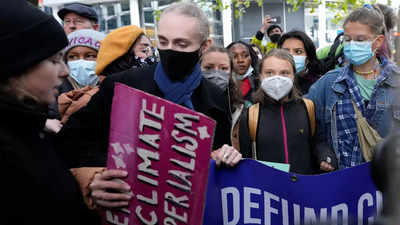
pixel 181 40
pixel 162 37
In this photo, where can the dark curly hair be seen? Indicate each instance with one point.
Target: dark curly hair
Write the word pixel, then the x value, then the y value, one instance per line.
pixel 314 65
pixel 253 54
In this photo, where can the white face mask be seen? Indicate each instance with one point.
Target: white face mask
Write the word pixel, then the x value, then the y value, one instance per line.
pixel 242 77
pixel 277 87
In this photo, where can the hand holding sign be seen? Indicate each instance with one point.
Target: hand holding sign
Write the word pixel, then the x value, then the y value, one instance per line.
pixel 227 155
pixel 110 180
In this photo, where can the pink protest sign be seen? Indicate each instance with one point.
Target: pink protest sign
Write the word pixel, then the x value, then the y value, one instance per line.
pixel 166 150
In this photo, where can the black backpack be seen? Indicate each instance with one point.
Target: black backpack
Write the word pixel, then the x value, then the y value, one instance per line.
pixel 331 60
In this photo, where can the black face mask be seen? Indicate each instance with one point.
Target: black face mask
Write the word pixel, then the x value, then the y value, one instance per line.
pixel 178 65
pixel 275 38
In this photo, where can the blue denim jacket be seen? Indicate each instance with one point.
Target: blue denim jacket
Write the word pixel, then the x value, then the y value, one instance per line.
pixel 326 92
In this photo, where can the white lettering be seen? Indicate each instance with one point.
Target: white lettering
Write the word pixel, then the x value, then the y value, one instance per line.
pixel 153 216
pixel 182 201
pixel 345 214
pixel 268 208
pixel 191 143
pixel 146 155
pixel 147 180
pixel 248 205
pixel 365 197
pixel 169 221
pixel 147 122
pixel 174 214
pixel 187 165
pixel 296 213
pixel 285 212
pixel 183 177
pixel 310 216
pixel 150 139
pixel 186 124
pixel 114 219
pixel 151 201
pixel 236 205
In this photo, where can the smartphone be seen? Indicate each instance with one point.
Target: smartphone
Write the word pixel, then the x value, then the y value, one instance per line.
pixel 276 19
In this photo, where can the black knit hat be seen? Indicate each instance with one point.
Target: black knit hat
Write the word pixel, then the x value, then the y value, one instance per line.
pixel 27 37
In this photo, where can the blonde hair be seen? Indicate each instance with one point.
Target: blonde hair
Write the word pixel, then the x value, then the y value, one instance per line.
pixel 191 10
pixel 372 17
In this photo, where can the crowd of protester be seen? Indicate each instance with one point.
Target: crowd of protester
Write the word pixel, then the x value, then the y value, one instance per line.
pixel 278 102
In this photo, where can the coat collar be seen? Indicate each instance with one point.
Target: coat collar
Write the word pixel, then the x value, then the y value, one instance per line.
pixel 21 115
pixel 207 97
pixel 390 75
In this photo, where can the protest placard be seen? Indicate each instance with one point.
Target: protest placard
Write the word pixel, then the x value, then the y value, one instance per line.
pixel 253 193
pixel 166 150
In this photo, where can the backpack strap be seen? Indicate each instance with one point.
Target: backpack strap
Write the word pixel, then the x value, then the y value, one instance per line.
pixel 311 114
pixel 332 58
pixel 253 122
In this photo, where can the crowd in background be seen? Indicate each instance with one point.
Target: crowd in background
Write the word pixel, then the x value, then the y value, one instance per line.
pixel 283 102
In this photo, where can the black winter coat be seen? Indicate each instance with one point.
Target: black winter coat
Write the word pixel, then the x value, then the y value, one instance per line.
pixel 84 139
pixel 36 187
pixel 279 122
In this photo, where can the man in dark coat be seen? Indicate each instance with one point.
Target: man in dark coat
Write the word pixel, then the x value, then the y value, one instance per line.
pixel 177 78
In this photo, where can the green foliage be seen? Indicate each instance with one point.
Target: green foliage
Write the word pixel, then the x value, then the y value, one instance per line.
pixel 340 8
pixel 157 14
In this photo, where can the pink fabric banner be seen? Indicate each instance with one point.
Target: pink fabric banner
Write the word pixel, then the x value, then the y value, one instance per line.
pixel 166 150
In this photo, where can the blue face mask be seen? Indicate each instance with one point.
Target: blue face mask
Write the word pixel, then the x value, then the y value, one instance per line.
pixel 300 61
pixel 358 52
pixel 82 71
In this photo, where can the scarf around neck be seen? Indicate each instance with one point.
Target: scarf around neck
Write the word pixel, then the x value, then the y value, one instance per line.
pixel 178 92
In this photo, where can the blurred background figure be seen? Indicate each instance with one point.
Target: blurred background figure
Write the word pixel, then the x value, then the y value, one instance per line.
pixel 78 16
pixel 82 82
pixel 216 65
pixel 385 171
pixel 257 50
pixel 308 68
pixel 244 74
pixel 271 30
pixel 124 48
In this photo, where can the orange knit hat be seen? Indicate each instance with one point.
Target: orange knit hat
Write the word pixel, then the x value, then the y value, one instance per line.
pixel 116 44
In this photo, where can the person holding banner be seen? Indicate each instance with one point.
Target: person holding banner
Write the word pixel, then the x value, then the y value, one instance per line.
pixel 177 78
pixel 280 126
pixel 359 104
pixel 216 64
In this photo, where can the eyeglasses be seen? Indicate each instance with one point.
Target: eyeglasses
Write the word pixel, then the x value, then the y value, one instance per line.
pixel 74 21
pixel 360 38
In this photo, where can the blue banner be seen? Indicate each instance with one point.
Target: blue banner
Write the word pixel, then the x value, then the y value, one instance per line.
pixel 252 193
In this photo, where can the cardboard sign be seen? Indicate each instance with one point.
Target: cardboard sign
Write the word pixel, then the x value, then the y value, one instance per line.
pixel 252 193
pixel 166 150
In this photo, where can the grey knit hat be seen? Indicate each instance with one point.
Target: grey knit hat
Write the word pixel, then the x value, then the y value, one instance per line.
pixel 85 37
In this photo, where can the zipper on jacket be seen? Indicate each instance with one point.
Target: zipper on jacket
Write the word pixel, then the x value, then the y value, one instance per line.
pixel 284 135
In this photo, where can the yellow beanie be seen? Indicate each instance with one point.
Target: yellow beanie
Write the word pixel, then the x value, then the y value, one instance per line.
pixel 116 44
